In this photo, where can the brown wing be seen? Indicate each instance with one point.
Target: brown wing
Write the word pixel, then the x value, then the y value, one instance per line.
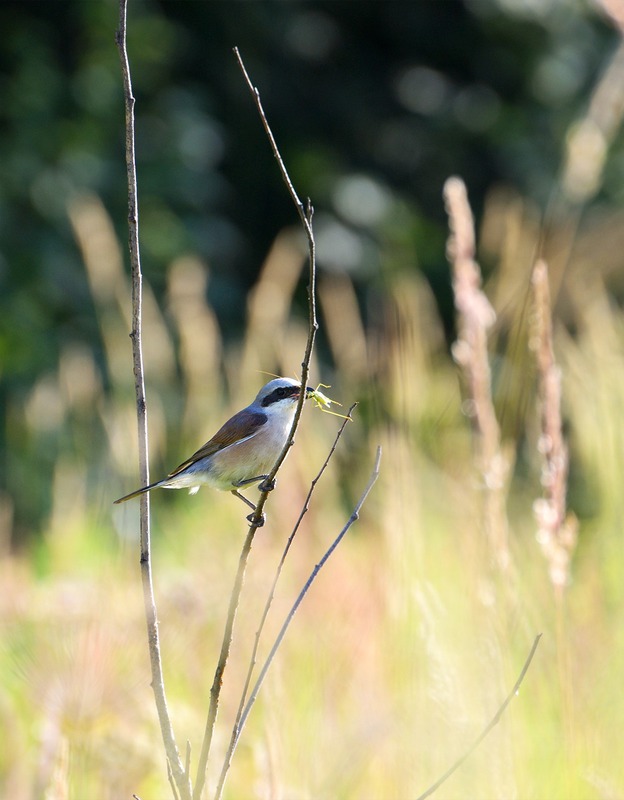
pixel 240 427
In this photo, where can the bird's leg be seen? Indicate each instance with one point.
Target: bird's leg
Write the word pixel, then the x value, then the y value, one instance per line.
pixel 249 517
pixel 244 499
pixel 264 486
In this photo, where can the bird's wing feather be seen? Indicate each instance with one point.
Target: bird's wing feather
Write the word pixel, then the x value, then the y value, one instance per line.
pixel 242 426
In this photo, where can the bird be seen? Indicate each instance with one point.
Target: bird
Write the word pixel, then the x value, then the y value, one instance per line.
pixel 243 451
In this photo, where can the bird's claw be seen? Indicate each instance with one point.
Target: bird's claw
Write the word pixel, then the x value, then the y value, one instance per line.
pixel 251 518
pixel 267 485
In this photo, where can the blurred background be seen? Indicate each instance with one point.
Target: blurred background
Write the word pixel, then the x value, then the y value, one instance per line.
pixel 412 637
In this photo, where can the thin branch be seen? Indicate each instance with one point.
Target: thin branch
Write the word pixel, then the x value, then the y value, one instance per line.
pixel 172 784
pixel 287 547
pixel 265 613
pixel 173 757
pixel 285 176
pixel 494 721
pixel 305 214
pixel 280 636
pixel 224 653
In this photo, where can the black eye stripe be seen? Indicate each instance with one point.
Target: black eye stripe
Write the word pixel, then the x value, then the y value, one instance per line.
pixel 279 394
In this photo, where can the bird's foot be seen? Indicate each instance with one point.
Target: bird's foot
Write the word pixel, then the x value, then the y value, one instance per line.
pixel 267 485
pixel 251 518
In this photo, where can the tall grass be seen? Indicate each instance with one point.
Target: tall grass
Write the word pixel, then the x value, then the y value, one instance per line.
pixel 410 639
pixel 417 627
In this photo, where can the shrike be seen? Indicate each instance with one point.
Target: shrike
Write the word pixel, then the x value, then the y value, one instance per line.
pixel 244 450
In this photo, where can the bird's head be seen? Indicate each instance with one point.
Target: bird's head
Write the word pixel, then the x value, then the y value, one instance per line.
pixel 279 394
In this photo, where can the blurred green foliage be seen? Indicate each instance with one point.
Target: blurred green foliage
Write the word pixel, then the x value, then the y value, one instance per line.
pixel 374 104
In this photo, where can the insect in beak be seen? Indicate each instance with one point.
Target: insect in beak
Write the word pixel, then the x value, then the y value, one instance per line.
pixel 322 401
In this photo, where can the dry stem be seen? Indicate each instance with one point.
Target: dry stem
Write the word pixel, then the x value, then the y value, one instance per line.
pixel 305 213
pixel 180 776
pixel 252 661
pixel 280 636
pixel 557 531
pixel 475 316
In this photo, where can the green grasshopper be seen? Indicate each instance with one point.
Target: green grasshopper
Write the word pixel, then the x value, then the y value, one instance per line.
pixel 323 402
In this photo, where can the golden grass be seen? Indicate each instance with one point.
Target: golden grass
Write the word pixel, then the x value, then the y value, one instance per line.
pixel 410 638
pixel 416 630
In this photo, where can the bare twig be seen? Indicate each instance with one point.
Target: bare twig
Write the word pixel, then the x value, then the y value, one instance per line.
pixel 265 613
pixel 305 214
pixel 287 547
pixel 493 722
pixel 280 636
pixel 172 784
pixel 475 316
pixel 557 531
pixel 286 178
pixel 173 757
pixel 217 682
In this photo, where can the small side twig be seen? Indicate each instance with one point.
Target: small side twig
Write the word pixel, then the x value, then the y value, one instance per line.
pixel 280 636
pixel 172 783
pixel 305 214
pixel 174 764
pixel 278 572
pixel 493 722
pixel 267 607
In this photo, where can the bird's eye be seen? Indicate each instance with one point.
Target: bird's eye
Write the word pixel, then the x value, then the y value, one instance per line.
pixel 280 392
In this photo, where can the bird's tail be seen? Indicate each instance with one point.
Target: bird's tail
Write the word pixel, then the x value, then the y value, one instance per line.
pixel 137 492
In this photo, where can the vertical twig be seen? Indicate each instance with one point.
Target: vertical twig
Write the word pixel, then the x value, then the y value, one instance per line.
pixel 278 572
pixel 475 316
pixel 305 214
pixel 355 515
pixel 265 613
pixel 282 632
pixel 173 757
pixel 224 654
